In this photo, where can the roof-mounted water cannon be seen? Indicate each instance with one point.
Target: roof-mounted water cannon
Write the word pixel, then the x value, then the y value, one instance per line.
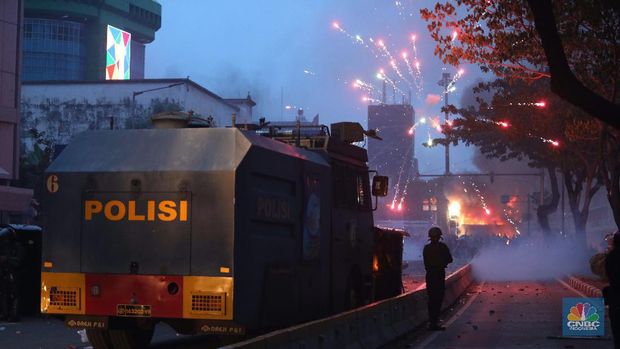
pixel 351 132
pixel 171 119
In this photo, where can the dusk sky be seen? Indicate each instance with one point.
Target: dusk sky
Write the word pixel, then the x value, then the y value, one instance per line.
pixel 269 47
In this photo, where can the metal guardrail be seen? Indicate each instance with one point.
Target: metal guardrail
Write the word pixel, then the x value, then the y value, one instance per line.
pixel 370 326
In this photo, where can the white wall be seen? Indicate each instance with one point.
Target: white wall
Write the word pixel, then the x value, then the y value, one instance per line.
pixel 63 110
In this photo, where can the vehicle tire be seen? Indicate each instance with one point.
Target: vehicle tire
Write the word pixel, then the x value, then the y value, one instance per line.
pixel 100 339
pixel 134 338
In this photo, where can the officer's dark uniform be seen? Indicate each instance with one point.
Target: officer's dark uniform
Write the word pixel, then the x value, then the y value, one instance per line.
pixel 612 269
pixel 11 256
pixel 436 258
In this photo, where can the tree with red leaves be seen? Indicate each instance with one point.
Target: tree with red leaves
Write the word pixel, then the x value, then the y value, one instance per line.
pixel 556 137
pixel 572 46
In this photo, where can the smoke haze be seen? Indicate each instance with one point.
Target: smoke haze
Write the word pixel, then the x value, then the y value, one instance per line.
pixel 531 259
pixel 432 99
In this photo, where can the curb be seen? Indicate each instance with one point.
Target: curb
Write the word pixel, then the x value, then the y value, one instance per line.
pixel 586 288
pixel 367 327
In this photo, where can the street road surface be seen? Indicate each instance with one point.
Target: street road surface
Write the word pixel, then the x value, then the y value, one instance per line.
pixel 40 333
pixel 492 315
pixel 506 315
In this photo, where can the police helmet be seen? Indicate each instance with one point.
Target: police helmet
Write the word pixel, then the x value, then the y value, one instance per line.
pixel 434 232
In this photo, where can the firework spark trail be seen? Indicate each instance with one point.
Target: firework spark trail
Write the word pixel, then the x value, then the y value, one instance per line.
pixel 410 68
pixel 397 187
pixel 364 86
pixel 357 39
pixel 429 141
pixel 483 201
pixel 379 50
pixel 392 61
pixel 436 124
pixel 403 11
pixel 394 66
pixel 505 124
pixel 408 64
pixel 418 80
pixel 511 222
pixel 383 48
pixel 400 174
pixel 547 140
pixel 416 124
pixel 383 76
pixel 370 100
pixel 455 78
pixel 451 85
pixel 399 5
pixel 402 198
pixel 484 13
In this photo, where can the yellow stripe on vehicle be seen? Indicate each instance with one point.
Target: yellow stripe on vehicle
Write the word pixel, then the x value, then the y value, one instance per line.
pixel 62 293
pixel 207 297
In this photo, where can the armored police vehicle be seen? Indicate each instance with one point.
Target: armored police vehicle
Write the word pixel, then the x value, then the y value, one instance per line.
pixel 210 230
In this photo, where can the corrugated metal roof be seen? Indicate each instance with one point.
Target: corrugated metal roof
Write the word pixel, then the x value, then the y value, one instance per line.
pixel 199 149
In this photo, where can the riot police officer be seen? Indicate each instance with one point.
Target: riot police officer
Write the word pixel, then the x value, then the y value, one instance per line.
pixel 11 256
pixel 436 258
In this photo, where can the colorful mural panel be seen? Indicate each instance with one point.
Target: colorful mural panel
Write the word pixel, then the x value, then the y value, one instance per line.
pixel 118 54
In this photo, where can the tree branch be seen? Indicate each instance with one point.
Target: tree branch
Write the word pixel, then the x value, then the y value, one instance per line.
pixel 563 81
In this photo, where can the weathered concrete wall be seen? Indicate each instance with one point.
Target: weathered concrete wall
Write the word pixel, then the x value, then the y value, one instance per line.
pixel 62 110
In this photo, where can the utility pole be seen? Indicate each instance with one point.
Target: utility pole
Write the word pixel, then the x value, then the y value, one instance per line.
pixel 445 82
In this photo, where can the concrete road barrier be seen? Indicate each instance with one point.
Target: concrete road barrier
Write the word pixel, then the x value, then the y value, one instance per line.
pixel 367 327
pixel 584 287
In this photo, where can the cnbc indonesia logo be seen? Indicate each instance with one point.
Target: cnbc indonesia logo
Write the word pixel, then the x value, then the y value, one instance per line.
pixel 582 318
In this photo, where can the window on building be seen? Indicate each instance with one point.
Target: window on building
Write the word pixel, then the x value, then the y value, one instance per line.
pixel 53 50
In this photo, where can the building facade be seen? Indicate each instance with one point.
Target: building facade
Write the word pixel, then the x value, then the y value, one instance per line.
pixel 394 156
pixel 87 39
pixel 62 109
pixel 12 199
